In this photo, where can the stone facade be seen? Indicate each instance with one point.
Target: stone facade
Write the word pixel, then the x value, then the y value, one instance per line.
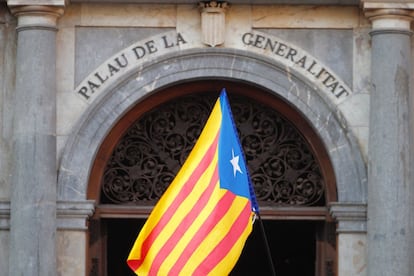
pixel 69 70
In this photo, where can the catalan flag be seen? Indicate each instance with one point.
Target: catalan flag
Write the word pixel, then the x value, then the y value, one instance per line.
pixel 201 223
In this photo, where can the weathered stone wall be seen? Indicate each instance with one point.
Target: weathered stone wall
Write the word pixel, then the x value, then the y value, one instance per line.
pixel 92 36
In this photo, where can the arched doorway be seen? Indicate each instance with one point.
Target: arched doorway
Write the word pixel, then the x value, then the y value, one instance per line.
pixel 297 223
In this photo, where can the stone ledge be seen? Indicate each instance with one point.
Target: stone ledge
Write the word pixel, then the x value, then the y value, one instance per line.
pixel 351 216
pixel 4 215
pixel 37 2
pixel 72 215
pixel 243 2
pixel 390 5
pixel 36 16
pixel 389 16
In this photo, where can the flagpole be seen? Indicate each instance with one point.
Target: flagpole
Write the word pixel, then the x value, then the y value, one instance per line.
pixel 269 253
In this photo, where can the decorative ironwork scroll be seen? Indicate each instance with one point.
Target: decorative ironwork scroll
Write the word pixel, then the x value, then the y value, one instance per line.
pixel 144 162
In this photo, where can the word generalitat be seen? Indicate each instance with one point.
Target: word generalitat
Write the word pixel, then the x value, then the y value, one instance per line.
pixel 299 59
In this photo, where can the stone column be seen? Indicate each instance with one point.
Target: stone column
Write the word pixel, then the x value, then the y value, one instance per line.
pixel 390 232
pixel 33 197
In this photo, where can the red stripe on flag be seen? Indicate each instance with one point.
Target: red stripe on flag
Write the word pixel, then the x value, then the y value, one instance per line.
pixel 223 205
pixel 226 244
pixel 184 225
pixel 184 192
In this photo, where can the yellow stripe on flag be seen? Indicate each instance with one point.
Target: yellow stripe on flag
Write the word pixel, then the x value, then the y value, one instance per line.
pixel 198 222
pixel 230 260
pixel 181 212
pixel 206 138
pixel 215 236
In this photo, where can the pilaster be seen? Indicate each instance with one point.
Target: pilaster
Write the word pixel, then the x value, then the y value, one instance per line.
pixel 390 243
pixel 34 172
pixel 351 241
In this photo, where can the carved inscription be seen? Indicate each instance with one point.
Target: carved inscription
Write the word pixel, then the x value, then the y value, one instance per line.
pixel 145 50
pixel 125 59
pixel 298 59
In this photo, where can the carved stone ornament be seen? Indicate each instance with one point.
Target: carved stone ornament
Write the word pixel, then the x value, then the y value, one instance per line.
pixel 36 16
pixel 213 22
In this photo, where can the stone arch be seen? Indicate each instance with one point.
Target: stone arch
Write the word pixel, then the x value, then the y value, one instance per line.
pixel 211 63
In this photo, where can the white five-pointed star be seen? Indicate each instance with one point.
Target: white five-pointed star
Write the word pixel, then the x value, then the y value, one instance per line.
pixel 235 162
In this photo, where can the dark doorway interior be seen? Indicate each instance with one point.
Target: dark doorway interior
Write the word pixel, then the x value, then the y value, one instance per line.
pixel 121 234
pixel 293 246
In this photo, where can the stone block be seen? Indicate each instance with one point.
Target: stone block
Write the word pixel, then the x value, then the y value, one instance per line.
pixel 4 252
pixel 352 254
pixel 128 15
pixel 356 109
pixel 89 53
pixel 71 248
pixel 332 47
pixel 303 16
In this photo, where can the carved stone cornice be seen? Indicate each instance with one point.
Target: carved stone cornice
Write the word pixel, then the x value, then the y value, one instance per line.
pixel 72 215
pixel 4 215
pixel 389 17
pixel 387 4
pixel 36 16
pixel 351 216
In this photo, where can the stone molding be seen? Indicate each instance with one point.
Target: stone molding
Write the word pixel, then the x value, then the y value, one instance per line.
pixel 72 215
pixel 351 216
pixel 4 215
pixel 36 16
pixel 390 4
pixel 389 17
pixel 37 2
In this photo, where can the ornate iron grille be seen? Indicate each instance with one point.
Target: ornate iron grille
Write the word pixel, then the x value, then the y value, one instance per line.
pixel 144 162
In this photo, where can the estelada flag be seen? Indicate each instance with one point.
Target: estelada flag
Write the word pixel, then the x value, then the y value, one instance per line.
pixel 202 221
